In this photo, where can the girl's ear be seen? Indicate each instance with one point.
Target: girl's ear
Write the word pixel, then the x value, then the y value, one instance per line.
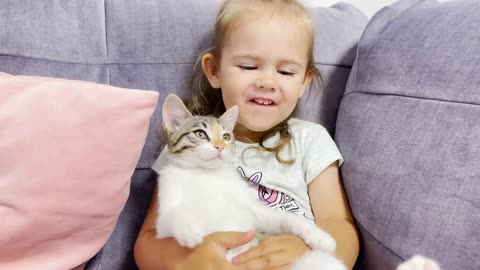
pixel 229 118
pixel 211 69
pixel 174 113
pixel 306 82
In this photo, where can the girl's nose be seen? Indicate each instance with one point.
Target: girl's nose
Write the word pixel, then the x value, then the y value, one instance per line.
pixel 266 83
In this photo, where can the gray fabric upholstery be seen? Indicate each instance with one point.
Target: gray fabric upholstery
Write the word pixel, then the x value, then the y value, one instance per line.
pixel 409 132
pixel 337 31
pixel 151 45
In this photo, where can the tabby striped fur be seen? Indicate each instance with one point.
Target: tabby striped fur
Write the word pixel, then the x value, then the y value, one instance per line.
pixel 198 140
pixel 189 136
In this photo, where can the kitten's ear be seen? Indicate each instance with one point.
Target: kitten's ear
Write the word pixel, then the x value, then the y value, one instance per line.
pixel 229 118
pixel 174 113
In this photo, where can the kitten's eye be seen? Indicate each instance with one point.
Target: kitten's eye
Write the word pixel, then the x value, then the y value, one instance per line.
pixel 201 134
pixel 227 137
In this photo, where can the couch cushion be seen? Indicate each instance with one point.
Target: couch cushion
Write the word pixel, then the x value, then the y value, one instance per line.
pixel 408 129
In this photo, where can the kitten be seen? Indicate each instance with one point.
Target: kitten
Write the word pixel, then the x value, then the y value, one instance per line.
pixel 200 192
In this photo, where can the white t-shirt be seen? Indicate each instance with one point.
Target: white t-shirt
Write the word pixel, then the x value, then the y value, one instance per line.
pixel 284 186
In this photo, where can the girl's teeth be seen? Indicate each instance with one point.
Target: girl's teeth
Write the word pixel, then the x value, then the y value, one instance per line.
pixel 264 102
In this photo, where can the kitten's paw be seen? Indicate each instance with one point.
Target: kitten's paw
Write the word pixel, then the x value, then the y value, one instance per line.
pixel 189 239
pixel 317 239
pixel 419 263
pixel 187 233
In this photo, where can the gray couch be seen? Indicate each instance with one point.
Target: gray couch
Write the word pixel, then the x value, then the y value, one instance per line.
pixel 407 124
pixel 409 130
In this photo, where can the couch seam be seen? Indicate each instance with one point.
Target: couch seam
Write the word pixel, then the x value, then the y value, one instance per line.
pixel 378 241
pixel 91 63
pixel 126 63
pixel 333 65
pixel 106 41
pixel 414 97
pixel 100 259
pixel 100 254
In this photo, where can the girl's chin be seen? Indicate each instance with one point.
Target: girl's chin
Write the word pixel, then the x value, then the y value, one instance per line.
pixel 252 130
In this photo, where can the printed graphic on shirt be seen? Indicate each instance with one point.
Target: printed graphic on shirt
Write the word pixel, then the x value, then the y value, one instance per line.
pixel 270 197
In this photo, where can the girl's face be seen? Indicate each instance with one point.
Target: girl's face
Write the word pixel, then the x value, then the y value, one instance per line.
pixel 263 71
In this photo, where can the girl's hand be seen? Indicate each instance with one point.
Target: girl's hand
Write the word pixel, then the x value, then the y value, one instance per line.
pixel 273 253
pixel 210 254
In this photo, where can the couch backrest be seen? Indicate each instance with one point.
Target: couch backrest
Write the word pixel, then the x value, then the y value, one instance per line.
pixel 153 45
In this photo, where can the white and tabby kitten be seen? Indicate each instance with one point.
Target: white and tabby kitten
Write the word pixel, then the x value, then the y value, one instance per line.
pixel 200 192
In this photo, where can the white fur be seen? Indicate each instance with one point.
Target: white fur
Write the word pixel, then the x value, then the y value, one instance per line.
pixel 419 263
pixel 195 202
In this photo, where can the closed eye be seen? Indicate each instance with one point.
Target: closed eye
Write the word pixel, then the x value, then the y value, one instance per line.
pixel 245 67
pixel 286 73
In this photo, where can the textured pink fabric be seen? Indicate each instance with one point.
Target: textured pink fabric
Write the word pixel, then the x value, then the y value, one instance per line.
pixel 67 152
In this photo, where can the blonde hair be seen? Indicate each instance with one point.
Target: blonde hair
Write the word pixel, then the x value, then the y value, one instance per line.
pixel 208 101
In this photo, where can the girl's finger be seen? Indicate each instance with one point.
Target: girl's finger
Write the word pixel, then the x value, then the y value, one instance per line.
pixel 267 245
pixel 255 252
pixel 268 261
pixel 231 239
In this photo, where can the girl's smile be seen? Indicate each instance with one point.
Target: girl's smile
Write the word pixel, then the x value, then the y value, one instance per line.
pixel 262 101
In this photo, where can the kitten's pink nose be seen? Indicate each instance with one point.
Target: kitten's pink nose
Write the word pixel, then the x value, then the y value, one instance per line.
pixel 219 147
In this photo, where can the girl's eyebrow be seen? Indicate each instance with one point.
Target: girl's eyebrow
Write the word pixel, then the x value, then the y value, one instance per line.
pixel 282 62
pixel 245 56
pixel 291 62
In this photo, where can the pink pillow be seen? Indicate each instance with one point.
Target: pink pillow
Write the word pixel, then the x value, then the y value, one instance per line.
pixel 67 152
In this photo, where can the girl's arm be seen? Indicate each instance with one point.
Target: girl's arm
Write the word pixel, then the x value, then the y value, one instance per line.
pixel 332 213
pixel 152 253
pixel 166 254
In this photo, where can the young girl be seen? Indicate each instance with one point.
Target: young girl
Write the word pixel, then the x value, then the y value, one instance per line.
pixel 262 61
